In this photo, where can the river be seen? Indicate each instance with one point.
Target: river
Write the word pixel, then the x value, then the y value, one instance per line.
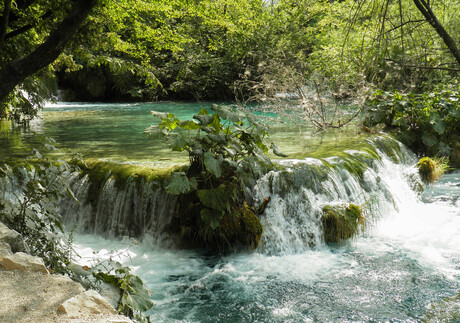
pixel 407 258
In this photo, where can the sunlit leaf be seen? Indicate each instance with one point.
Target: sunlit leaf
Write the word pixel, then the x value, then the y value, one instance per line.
pixel 276 151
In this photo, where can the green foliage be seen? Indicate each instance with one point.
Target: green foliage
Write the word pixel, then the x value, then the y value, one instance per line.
pixel 134 296
pixel 34 212
pixel 429 123
pixel 341 222
pixel 227 154
pixel 431 169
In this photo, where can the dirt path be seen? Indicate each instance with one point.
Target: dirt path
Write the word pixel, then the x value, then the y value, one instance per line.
pixel 35 297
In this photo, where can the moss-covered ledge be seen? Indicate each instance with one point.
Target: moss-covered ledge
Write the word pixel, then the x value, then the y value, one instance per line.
pixel 342 222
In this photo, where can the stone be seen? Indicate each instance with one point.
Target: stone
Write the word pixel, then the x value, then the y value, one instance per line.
pixel 13 238
pixel 86 303
pixel 5 249
pixel 23 262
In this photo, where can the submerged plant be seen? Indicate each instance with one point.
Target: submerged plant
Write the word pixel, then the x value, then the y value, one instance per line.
pixel 341 222
pixel 227 153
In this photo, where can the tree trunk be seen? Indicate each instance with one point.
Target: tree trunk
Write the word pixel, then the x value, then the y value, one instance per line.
pixel 16 71
pixel 426 11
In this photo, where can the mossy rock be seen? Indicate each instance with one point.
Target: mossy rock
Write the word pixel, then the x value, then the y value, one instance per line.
pixel 431 169
pixel 100 171
pixel 341 222
pixel 240 229
pixel 446 310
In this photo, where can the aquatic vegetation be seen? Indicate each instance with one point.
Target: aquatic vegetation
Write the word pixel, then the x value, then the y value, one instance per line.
pixel 431 169
pixel 341 222
pixel 446 310
pixel 227 154
pixel 100 171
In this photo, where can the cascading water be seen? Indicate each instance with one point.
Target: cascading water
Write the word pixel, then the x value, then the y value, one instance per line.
pixel 406 259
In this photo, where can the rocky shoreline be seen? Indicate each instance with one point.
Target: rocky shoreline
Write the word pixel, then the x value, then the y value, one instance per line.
pixel 29 293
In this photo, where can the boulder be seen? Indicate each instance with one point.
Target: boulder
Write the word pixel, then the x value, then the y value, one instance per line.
pixel 5 249
pixel 86 303
pixel 13 238
pixel 24 262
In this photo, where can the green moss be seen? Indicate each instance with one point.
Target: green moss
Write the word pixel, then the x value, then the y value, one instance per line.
pixel 341 222
pixel 251 229
pixel 100 171
pixel 431 169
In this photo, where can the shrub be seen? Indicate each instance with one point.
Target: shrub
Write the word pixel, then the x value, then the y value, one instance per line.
pixel 227 154
pixel 428 123
pixel 431 169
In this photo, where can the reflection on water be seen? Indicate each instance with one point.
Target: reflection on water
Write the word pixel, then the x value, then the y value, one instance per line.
pixel 115 131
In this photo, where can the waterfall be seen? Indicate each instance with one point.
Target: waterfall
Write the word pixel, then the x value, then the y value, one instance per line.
pixel 298 191
pixel 135 209
pixel 292 221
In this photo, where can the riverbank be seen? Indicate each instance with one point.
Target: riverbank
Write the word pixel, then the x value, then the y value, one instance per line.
pixel 29 293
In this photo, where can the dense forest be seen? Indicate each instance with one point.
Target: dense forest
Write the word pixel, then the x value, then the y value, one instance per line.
pixel 226 50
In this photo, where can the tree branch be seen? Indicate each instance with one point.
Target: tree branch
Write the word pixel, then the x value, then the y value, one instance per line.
pixel 4 21
pixel 405 23
pixel 26 28
pixel 424 67
pixel 425 9
pixel 15 72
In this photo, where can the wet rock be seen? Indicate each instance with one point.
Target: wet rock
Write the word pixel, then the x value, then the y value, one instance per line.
pixel 24 262
pixel 13 238
pixel 86 303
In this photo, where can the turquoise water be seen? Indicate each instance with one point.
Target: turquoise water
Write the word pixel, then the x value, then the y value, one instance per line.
pixel 115 132
pixel 408 259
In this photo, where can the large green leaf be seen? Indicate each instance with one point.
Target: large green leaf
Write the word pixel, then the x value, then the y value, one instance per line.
pixel 429 140
pixel 211 217
pixel 189 125
pixel 276 151
pixel 216 198
pixel 440 126
pixel 213 165
pixel 178 184
pixel 136 295
pixel 178 143
pixel 155 132
pixel 204 119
